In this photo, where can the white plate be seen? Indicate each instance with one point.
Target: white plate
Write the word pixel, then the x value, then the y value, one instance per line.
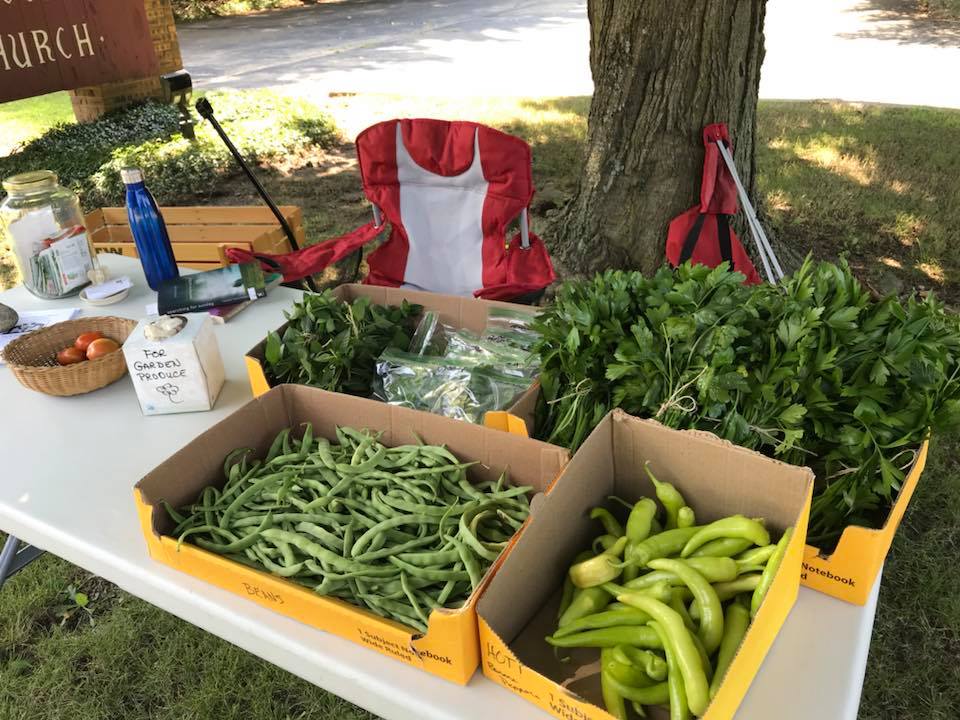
pixel 109 300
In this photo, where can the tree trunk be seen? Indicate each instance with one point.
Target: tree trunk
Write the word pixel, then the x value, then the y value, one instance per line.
pixel 662 71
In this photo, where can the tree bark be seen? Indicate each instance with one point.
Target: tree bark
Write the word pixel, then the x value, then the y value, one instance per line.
pixel 662 71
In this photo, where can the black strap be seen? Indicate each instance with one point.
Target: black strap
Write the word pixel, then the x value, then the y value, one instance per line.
pixel 691 241
pixel 723 235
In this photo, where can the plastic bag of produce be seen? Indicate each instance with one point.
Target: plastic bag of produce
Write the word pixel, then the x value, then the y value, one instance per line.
pixel 475 350
pixel 445 386
pixel 430 337
pixel 510 327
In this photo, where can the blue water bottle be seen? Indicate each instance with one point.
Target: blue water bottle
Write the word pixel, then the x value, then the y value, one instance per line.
pixel 149 230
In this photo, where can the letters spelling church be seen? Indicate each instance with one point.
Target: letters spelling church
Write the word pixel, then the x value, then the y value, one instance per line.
pixel 30 48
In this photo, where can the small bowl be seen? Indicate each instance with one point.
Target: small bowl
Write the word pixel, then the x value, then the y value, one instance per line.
pixel 109 300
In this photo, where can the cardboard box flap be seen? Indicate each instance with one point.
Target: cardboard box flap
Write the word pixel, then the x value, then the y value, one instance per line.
pixel 556 533
pixel 747 488
pixel 461 312
pixel 181 478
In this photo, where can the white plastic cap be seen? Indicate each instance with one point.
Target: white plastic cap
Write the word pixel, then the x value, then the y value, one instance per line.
pixel 131 175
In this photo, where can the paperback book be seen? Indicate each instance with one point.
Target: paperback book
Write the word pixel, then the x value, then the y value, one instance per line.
pixel 201 291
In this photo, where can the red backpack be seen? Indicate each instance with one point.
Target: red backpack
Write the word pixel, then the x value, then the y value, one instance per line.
pixel 703 233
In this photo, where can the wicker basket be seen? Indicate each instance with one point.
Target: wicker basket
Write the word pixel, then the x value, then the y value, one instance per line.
pixel 33 357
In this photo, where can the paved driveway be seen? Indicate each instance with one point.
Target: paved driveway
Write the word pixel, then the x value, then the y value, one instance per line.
pixel 868 50
pixel 426 47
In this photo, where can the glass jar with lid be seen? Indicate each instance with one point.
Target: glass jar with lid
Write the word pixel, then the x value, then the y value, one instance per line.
pixel 44 227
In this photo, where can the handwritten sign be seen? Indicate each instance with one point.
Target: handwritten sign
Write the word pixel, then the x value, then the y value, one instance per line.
pixel 183 373
pixel 49 45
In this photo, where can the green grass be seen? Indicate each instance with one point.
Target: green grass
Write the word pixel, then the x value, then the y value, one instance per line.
pixel 878 184
pixel 24 120
pixel 134 662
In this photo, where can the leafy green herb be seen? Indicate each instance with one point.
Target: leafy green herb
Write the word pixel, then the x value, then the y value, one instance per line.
pixel 813 371
pixel 334 345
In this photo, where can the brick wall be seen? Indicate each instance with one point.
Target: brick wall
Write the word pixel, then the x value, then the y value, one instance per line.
pixel 89 103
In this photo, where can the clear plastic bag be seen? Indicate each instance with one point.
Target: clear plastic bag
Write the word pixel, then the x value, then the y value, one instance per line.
pixel 507 319
pixel 430 337
pixel 445 386
pixel 511 327
pixel 475 350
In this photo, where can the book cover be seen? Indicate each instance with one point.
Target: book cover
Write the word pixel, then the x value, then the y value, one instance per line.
pixel 201 291
pixel 222 313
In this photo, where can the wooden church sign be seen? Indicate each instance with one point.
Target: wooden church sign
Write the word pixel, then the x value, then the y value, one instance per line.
pixel 50 45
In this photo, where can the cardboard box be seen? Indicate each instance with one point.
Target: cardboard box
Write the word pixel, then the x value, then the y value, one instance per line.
pixel 717 479
pixel 849 572
pixel 182 373
pixel 459 312
pixel 449 648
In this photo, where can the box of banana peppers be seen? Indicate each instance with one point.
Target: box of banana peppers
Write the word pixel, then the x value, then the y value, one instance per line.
pixel 623 597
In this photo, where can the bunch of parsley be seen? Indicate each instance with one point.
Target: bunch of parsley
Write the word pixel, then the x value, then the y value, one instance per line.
pixel 813 372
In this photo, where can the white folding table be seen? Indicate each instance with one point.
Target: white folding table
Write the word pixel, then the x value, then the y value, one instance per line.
pixel 66 485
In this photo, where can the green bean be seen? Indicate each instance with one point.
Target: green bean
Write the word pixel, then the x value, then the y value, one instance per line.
pixel 430 573
pixel 395 549
pixel 325 536
pixel 469 562
pixel 400 531
pixel 449 587
pixel 390 523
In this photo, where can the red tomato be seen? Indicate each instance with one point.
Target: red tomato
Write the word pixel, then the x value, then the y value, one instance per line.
pixel 101 347
pixel 70 355
pixel 83 342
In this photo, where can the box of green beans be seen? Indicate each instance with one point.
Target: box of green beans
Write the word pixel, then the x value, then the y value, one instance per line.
pixel 373 522
pixel 653 579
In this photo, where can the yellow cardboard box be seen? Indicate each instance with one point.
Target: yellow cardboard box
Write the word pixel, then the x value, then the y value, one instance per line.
pixel 518 607
pixel 459 312
pixel 449 647
pixel 850 571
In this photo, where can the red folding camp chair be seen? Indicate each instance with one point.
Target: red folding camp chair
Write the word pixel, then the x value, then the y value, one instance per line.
pixel 703 233
pixel 449 191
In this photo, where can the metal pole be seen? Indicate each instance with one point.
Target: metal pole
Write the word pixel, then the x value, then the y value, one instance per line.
pixel 206 112
pixel 13 560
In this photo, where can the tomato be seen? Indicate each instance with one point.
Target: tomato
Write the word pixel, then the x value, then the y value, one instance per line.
pixel 100 347
pixel 83 342
pixel 70 355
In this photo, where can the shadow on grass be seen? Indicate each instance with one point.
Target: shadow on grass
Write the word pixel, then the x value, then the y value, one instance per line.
pixel 876 183
pixel 907 23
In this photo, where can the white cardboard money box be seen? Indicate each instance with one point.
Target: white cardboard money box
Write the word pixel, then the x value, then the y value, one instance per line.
pixel 181 373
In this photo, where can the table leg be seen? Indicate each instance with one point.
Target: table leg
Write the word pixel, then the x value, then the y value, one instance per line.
pixel 14 558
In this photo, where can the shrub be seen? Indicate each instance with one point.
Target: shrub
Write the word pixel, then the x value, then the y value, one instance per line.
pixel 265 127
pixel 198 9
